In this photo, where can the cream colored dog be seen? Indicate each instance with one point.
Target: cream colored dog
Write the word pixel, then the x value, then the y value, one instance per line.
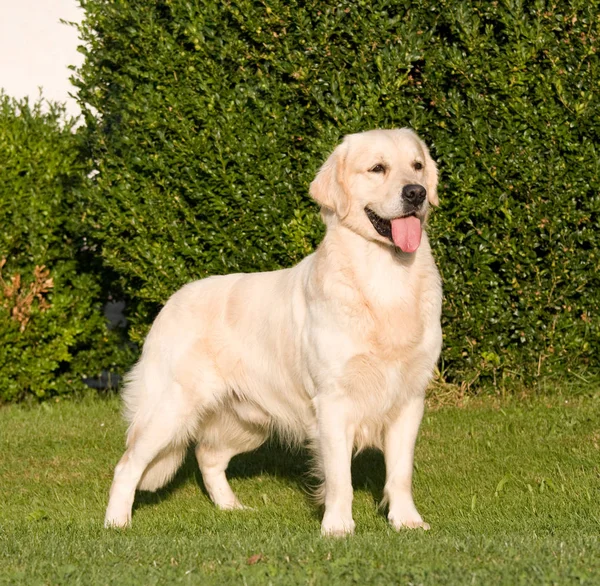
pixel 335 352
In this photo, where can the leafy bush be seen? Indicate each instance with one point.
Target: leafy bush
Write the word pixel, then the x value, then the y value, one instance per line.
pixel 214 116
pixel 52 330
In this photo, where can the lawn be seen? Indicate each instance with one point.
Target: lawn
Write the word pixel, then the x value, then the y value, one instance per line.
pixel 511 489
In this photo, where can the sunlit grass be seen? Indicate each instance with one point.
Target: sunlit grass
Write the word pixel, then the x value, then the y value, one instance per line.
pixel 511 490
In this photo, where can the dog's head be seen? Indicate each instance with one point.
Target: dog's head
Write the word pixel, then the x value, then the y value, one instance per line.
pixel 379 184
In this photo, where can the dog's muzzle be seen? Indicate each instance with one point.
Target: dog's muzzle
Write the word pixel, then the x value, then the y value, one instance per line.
pixel 403 231
pixel 413 196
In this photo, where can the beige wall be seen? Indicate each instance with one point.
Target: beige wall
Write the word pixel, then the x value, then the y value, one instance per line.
pixel 35 48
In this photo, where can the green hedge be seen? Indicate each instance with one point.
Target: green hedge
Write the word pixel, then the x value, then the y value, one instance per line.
pixel 214 116
pixel 52 330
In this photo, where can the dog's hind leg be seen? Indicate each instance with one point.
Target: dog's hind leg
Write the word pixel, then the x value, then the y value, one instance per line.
pixel 156 443
pixel 223 436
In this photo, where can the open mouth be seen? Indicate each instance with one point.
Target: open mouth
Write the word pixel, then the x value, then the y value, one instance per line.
pixel 404 232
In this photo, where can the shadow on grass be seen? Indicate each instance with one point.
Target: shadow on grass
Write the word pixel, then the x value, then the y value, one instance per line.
pixel 272 459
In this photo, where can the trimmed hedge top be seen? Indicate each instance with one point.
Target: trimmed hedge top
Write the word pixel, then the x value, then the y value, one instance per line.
pixel 214 117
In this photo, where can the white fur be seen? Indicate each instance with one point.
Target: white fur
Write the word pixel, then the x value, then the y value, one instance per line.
pixel 335 352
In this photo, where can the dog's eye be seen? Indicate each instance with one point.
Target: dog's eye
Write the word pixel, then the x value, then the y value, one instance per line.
pixel 417 165
pixel 377 169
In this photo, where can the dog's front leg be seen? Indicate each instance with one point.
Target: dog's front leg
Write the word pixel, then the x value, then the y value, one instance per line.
pixel 399 448
pixel 336 441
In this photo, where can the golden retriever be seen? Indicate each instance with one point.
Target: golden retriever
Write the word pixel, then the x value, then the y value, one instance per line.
pixel 335 352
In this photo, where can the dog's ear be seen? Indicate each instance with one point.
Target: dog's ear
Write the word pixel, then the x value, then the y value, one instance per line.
pixel 329 187
pixel 431 174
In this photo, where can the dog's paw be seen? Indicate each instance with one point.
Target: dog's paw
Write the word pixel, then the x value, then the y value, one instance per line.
pixel 117 521
pixel 336 526
pixel 404 515
pixel 410 524
pixel 118 514
pixel 408 520
pixel 233 506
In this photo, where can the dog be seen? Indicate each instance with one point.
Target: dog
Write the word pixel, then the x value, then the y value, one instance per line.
pixel 334 353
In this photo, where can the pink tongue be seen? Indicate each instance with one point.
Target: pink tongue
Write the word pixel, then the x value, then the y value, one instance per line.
pixel 406 233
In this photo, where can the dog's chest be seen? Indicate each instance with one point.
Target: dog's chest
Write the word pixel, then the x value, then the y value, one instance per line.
pixel 391 316
pixel 378 329
pixel 391 331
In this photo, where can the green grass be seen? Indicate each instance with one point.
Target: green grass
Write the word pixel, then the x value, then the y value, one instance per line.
pixel 511 490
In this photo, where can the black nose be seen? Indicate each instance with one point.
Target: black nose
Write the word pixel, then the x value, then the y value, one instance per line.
pixel 414 194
